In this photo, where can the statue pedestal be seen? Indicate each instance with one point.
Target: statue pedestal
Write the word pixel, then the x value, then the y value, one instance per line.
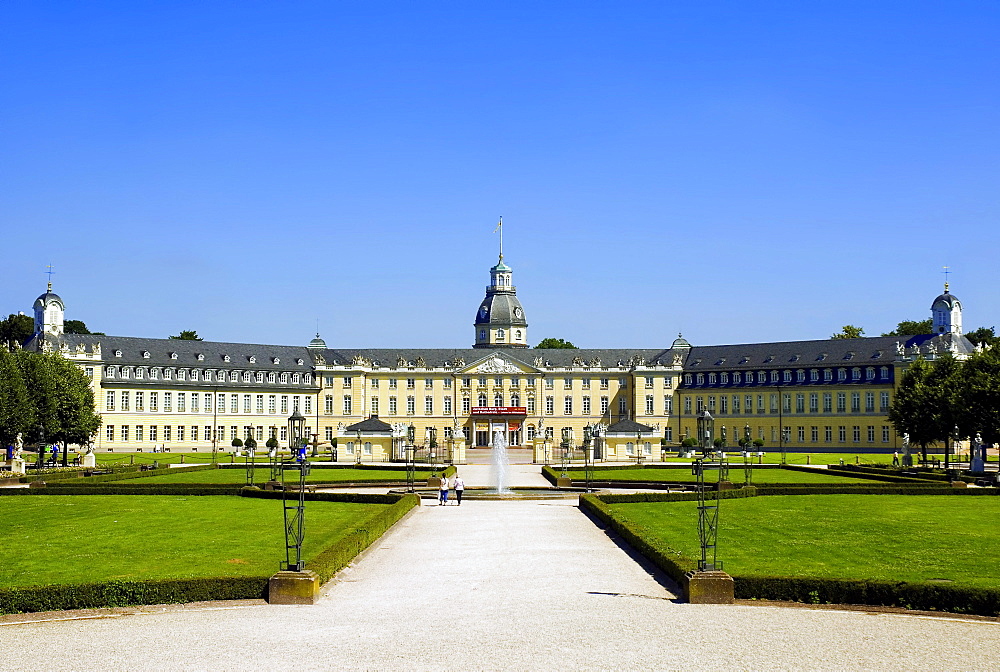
pixel 16 466
pixel 88 460
pixel 293 588
pixel 709 587
pixel 458 451
pixel 538 450
pixel 564 482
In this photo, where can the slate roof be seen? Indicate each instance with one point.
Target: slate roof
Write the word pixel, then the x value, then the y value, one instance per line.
pixel 628 426
pixel 372 424
pixel 445 357
pixel 500 310
pixel 214 353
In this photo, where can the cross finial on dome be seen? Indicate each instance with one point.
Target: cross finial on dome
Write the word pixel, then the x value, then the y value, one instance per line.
pixel 49 273
pixel 946 271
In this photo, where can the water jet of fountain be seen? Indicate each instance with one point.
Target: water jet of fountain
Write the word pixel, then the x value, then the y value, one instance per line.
pixel 500 463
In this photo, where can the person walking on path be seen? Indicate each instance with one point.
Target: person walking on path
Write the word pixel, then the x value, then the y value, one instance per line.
pixel 443 495
pixel 459 485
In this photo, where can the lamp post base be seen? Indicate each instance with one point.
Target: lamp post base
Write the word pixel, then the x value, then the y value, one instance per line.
pixel 709 587
pixel 288 587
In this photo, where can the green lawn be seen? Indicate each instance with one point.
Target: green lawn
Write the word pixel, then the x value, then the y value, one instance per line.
pixel 201 457
pixel 262 474
pixel 86 538
pixel 951 539
pixel 773 456
pixel 736 475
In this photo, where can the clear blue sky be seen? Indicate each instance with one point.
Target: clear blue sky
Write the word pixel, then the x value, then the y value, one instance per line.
pixel 740 171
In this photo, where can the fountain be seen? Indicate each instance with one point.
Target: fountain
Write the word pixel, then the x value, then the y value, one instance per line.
pixel 500 465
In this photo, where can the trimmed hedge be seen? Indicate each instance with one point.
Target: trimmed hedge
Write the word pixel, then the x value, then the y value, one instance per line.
pixel 187 489
pixel 920 596
pixel 127 593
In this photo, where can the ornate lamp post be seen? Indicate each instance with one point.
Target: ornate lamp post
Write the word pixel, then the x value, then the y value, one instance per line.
pixel 588 463
pixel 785 435
pixel 41 447
pixel 567 441
pixel 706 429
pixel 249 447
pixel 357 446
pixel 411 457
pixel 295 509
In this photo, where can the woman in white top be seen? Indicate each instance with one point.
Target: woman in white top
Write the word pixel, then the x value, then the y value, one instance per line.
pixel 459 485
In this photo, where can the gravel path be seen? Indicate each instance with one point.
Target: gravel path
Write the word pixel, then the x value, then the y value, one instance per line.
pixel 500 585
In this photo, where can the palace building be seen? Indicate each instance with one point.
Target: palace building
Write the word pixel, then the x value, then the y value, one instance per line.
pixel 805 395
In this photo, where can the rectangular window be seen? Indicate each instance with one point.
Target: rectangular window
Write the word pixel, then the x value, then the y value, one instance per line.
pixel 668 404
pixel 247 403
pixel 869 402
pixel 748 404
pixel 622 406
pixel 167 402
pixel 828 434
pixel 549 383
pixel 194 402
pixel 411 405
pixel 586 383
pixel 668 434
pixel 447 383
pixel 699 404
pixel 374 406
pixel 208 433
pixel 871 433
pixel 447 406
pixel 814 434
pixel 855 402
pixel 393 383
pixel 856 434
pixel 649 382
pixel 842 434
pixel 813 402
pixel 234 403
pixel 138 433
pixel 110 433
pixel 885 433
pixel 802 434
pixel 328 433
pixel 567 383
pixel 347 404
pixel 711 403
pixel 348 382
pixel 586 405
pixel 428 383
pixel 687 405
pixel 307 405
pixel 428 405
pixel 774 403
pixel 374 383
pixel 800 403
pixel 568 406
pixel 109 401
pixel 884 401
pixel 786 403
pixel 181 402
pixel 841 402
pixel 467 405
pixel 736 404
pixel 550 405
pixel 605 403
pixel 152 433
pixel 650 403
pixel 260 403
pixel 233 432
pixel 283 431
pixel 180 432
pixel 284 404
pixel 167 435
pixel 328 404
pixel 604 383
pixel 272 404
pixel 411 383
pixel 140 401
pixel 827 402
pixel 124 432
pixel 392 406
pixel 466 382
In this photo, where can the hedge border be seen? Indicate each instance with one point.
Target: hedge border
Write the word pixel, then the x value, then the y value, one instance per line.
pixel 117 593
pixel 816 590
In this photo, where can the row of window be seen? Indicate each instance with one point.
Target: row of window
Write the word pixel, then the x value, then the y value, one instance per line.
pixel 272 377
pixel 733 434
pixel 152 433
pixel 828 375
pixel 731 405
pixel 194 402
pixel 347 405
pixel 201 357
pixel 498 381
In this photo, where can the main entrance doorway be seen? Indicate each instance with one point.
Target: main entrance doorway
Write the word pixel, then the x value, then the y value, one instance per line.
pixel 489 419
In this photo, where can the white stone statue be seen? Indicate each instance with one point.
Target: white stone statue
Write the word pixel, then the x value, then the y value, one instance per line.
pixel 932 348
pixel 900 350
pixel 18 446
pixel 458 432
pixel 915 349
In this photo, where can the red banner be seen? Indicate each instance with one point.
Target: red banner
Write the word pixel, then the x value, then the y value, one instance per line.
pixel 498 410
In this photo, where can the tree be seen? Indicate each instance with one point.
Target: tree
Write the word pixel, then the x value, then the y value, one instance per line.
pixel 41 380
pixel 983 336
pixel 849 331
pixel 186 336
pixel 912 328
pixel 925 404
pixel 16 329
pixel 977 397
pixel 16 411
pixel 237 443
pixel 555 344
pixel 75 327
pixel 78 419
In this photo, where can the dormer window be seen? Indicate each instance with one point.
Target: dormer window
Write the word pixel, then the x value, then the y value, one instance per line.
pixel 201 357
pixel 849 355
pixel 275 360
pixel 788 376
pixel 173 355
pixel 299 362
pixel 225 358
pixel 253 359
pixel 118 353
pixel 145 354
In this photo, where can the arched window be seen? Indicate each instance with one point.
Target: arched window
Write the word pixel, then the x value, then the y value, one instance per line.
pixel 501 334
pixel 515 399
pixel 517 335
pixel 482 334
pixel 482 399
pixel 498 399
